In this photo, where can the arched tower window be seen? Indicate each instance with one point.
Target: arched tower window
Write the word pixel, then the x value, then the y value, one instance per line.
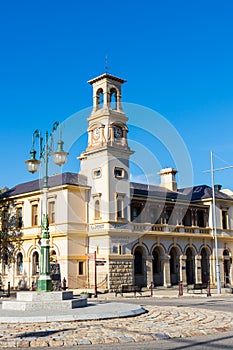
pixel 19 264
pixel 113 98
pixel 99 98
pixel 35 263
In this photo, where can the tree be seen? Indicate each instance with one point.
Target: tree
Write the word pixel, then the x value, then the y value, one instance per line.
pixel 10 230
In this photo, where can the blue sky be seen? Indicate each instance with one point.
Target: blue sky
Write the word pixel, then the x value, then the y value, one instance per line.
pixel 175 55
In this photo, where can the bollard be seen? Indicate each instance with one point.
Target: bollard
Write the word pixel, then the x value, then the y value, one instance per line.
pixel 180 284
pixel 64 287
pixel 8 289
pixel 151 289
pixel 208 290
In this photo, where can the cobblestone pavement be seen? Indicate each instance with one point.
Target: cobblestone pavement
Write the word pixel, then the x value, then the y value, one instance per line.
pixel 158 323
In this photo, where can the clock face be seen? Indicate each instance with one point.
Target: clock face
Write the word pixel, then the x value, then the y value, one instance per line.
pixel 117 132
pixel 96 133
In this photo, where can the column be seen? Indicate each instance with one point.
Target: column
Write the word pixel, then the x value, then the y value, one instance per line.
pixel 166 271
pixel 183 276
pixel 212 269
pixel 221 268
pixel 198 277
pixel 102 137
pixel 124 138
pixel 149 270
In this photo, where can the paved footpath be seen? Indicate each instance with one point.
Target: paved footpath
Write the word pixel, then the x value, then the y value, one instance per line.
pixel 158 323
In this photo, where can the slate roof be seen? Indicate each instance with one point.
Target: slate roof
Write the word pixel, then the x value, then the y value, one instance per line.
pixel 53 181
pixel 196 193
pixel 204 192
pixel 143 190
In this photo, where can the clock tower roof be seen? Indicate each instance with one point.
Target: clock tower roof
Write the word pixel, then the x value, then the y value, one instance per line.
pixel 106 76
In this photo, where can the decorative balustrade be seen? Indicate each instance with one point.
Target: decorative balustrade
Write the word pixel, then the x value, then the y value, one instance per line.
pixel 169 228
pixel 146 227
pixel 225 233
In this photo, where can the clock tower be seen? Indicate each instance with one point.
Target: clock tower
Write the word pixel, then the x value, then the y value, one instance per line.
pixel 105 163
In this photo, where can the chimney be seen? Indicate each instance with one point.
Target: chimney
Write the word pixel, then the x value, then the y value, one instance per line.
pixel 168 178
pixel 217 187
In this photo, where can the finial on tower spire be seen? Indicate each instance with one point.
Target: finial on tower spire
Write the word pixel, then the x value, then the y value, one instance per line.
pixel 106 64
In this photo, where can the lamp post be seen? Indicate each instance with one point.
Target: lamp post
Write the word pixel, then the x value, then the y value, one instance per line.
pixel 212 170
pixel 215 226
pixel 46 149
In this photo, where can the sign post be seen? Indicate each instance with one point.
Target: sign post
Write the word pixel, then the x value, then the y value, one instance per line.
pixel 95 276
pixel 99 262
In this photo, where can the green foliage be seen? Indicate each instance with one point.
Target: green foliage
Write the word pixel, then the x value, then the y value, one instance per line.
pixel 10 232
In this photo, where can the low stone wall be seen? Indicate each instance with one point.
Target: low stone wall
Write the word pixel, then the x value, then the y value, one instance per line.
pixel 120 272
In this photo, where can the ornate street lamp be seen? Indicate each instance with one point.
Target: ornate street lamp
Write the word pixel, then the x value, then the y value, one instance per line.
pixel 217 266
pixel 33 165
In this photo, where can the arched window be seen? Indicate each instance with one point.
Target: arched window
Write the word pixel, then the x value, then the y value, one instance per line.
pixel 138 269
pixel 35 263
pixel 156 261
pixel 99 98
pixel 190 266
pixel 19 264
pixel 174 265
pixel 97 209
pixel 204 265
pixel 113 98
pixel 173 268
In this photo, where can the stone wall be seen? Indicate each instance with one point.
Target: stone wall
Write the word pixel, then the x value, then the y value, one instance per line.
pixel 120 272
